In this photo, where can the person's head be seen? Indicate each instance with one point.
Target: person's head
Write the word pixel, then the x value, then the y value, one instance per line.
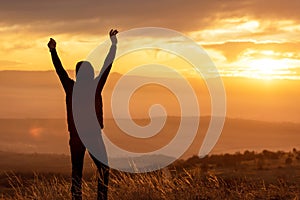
pixel 84 71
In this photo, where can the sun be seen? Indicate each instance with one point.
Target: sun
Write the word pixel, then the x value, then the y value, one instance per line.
pixel 266 68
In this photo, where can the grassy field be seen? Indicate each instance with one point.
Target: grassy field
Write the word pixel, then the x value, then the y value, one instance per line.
pixel 248 175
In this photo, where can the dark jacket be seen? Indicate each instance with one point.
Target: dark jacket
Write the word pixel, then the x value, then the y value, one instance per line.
pixel 68 85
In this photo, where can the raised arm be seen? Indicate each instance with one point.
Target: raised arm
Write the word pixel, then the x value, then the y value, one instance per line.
pixel 102 77
pixel 61 72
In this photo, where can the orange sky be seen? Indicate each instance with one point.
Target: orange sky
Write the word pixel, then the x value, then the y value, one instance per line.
pixel 250 38
pixel 253 43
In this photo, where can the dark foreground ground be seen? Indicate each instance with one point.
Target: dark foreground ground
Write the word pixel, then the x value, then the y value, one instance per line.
pixel 248 175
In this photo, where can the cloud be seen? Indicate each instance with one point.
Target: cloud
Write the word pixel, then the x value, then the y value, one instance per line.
pixel 26 26
pixel 94 16
pixel 232 50
pixel 10 63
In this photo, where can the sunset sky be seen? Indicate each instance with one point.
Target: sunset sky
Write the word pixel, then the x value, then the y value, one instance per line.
pixel 254 44
pixel 250 38
pixel 245 39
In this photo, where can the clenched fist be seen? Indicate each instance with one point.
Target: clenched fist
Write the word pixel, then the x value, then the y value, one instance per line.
pixel 52 44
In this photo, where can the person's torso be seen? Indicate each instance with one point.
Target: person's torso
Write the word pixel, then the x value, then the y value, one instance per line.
pixel 69 103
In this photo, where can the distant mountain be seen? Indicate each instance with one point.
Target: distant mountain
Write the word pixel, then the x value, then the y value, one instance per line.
pixel 51 136
pixel 39 94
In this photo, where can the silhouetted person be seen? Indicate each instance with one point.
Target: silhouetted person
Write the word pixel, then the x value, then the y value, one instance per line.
pixel 76 146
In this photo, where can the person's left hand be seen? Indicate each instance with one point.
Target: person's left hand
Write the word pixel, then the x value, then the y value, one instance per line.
pixel 52 44
pixel 112 35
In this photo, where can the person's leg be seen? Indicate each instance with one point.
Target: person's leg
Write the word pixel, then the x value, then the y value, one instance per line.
pixel 103 177
pixel 77 156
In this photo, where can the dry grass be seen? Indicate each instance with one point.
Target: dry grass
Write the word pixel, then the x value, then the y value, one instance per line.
pixel 265 175
pixel 163 184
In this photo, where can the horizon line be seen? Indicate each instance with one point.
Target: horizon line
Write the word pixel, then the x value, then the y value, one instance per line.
pixel 223 76
pixel 143 118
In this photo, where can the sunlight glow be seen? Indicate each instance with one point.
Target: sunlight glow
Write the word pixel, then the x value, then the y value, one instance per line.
pixel 250 25
pixel 266 68
pixel 35 131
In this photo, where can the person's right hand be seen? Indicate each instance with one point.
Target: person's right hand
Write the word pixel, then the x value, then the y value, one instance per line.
pixel 52 44
pixel 112 35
